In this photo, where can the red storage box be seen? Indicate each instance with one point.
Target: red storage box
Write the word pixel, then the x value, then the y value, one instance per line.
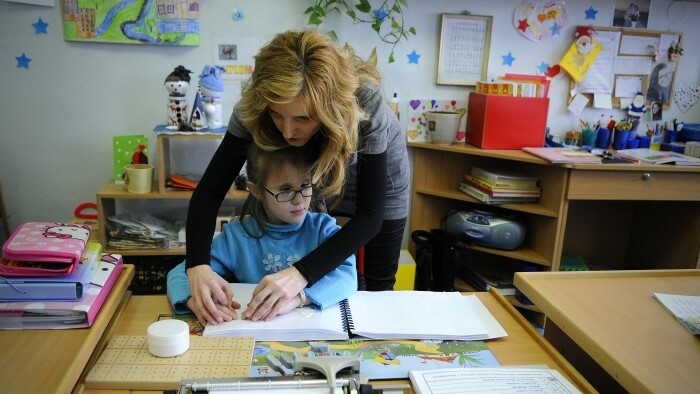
pixel 500 122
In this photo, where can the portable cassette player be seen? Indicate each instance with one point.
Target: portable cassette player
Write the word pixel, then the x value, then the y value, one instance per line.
pixel 486 228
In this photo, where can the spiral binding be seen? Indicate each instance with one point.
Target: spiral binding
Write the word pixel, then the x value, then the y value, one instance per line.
pixel 346 313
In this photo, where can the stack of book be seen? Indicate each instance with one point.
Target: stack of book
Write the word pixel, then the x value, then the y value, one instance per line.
pixel 52 277
pixel 484 278
pixel 496 186
pixel 38 308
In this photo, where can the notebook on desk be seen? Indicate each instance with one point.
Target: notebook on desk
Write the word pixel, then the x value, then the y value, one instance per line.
pixel 371 315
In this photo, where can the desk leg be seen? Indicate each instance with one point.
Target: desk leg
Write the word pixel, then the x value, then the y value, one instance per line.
pixel 584 364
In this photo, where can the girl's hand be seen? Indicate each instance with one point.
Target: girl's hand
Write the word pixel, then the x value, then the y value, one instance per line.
pixel 275 294
pixel 229 312
pixel 211 297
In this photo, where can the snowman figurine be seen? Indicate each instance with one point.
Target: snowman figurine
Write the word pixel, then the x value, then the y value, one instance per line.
pixel 177 83
pixel 637 108
pixel 211 89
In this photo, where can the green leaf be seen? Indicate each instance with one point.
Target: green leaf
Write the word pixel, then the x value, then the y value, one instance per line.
pixel 412 30
pixel 391 57
pixel 333 36
pixel 364 6
pixel 404 2
pixel 315 20
pixel 377 25
pixel 351 14
pixel 310 9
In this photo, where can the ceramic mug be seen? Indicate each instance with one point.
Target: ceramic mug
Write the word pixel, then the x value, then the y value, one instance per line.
pixel 139 178
pixel 443 126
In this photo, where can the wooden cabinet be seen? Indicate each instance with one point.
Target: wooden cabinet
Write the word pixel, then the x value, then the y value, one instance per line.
pixel 109 195
pixel 624 216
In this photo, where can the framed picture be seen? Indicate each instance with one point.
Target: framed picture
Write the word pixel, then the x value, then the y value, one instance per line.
pixel 633 14
pixel 464 49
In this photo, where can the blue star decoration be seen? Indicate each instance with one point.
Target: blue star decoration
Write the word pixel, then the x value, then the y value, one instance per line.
pixel 542 67
pixel 413 57
pixel 555 29
pixel 590 13
pixel 40 26
pixel 23 61
pixel 380 14
pixel 508 59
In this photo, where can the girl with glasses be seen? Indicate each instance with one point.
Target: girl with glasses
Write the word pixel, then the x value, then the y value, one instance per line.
pixel 274 231
pixel 307 91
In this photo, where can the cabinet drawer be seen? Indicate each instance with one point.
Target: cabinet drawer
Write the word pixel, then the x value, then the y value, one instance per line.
pixel 634 185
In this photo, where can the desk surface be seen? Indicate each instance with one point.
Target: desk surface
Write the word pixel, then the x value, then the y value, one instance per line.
pixel 34 361
pixel 522 346
pixel 613 317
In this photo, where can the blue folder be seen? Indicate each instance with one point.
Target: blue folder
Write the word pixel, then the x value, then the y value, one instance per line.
pixel 54 288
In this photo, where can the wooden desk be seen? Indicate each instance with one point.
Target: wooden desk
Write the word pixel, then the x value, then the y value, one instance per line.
pixel 612 316
pixel 523 346
pixel 35 361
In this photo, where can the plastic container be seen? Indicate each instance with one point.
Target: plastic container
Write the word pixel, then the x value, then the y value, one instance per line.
pixel 168 338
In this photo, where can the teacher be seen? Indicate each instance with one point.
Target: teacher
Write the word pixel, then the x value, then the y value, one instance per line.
pixel 306 90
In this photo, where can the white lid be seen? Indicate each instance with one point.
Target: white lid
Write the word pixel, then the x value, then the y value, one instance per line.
pixel 168 332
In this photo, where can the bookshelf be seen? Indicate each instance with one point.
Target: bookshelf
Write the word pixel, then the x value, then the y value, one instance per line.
pixel 608 213
pixel 110 193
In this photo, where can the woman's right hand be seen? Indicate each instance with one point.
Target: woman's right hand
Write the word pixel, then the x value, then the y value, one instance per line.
pixel 211 296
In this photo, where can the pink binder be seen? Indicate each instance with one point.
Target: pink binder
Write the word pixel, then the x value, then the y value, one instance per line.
pixel 44 249
pixel 65 314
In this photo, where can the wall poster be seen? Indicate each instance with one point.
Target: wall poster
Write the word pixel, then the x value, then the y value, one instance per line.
pixel 464 49
pixel 150 22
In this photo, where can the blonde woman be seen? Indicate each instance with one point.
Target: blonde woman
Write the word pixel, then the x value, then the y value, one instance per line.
pixel 305 90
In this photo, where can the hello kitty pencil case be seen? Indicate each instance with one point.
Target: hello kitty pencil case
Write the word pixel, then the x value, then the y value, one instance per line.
pixel 44 249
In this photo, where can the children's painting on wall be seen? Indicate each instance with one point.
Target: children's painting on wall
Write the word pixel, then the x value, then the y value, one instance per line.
pixel 160 22
pixel 417 129
pixel 633 14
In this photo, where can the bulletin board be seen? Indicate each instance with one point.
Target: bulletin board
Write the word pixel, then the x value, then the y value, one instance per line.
pixel 464 49
pixel 628 63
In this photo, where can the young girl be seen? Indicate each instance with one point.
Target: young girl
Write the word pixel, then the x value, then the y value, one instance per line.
pixel 305 90
pixel 274 231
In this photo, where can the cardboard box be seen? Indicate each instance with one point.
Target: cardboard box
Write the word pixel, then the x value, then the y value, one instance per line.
pixel 500 122
pixel 406 274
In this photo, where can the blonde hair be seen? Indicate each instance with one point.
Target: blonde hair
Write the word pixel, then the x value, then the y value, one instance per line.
pixel 307 65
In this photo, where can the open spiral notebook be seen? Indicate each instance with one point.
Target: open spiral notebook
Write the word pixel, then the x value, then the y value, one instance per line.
pixel 371 315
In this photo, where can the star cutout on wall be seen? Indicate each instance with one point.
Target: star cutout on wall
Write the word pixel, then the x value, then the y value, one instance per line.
pixel 590 13
pixel 542 67
pixel 508 59
pixel 413 57
pixel 380 14
pixel 555 29
pixel 40 26
pixel 523 25
pixel 23 61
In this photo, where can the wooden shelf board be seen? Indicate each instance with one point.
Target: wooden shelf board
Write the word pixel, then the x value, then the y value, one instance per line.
pixel 533 208
pixel 112 190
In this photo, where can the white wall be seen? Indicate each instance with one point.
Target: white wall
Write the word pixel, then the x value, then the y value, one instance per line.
pixel 59 116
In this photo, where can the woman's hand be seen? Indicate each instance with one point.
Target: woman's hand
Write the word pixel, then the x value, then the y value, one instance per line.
pixel 274 294
pixel 211 296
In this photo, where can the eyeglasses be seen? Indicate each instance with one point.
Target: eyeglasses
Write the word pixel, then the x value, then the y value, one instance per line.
pixel 288 195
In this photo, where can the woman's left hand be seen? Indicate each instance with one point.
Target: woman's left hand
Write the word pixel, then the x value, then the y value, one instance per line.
pixel 274 293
